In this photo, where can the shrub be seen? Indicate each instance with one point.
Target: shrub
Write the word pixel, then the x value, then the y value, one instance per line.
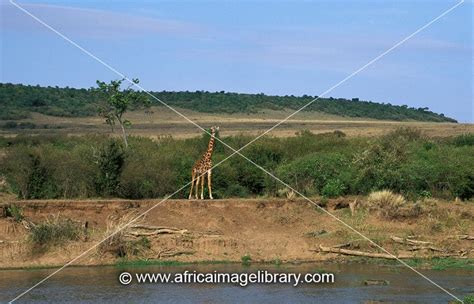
pixel 333 188
pixel 312 173
pixel 392 205
pixel 26 173
pixel 118 243
pixel 72 170
pixel 55 231
pixel 10 125
pixel 110 162
pixel 385 198
pixel 246 260
pixel 469 299
pixel 51 171
pixel 379 166
pixel 14 212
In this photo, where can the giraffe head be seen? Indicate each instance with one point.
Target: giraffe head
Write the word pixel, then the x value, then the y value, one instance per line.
pixel 214 129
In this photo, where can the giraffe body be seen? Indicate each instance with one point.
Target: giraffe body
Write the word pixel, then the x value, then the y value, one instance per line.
pixel 202 168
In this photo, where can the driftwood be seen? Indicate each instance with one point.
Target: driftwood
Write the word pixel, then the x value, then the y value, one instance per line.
pixel 155 230
pixel 377 255
pixel 342 245
pixel 409 241
pixel 141 226
pixel 166 253
pixel 415 243
pixel 159 231
pixel 463 237
pixel 432 248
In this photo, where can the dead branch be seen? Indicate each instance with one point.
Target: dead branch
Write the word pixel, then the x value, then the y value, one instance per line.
pixel 376 255
pixel 342 245
pixel 463 237
pixel 158 231
pixel 142 226
pixel 28 224
pixel 409 241
pixel 415 248
pixel 166 253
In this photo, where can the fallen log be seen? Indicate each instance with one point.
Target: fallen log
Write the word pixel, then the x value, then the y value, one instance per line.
pixel 342 245
pixel 171 253
pixel 463 237
pixel 432 248
pixel 159 231
pixel 409 241
pixel 377 255
pixel 148 227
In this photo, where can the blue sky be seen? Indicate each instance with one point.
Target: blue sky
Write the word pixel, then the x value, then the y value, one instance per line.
pixel 274 47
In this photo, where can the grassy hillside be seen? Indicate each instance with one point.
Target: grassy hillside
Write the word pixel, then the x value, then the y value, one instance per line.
pixel 18 101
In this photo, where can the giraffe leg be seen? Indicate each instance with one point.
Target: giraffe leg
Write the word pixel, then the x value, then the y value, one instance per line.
pixel 197 185
pixel 193 176
pixel 203 179
pixel 209 184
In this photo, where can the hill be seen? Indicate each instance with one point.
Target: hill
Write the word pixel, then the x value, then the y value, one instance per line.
pixel 18 101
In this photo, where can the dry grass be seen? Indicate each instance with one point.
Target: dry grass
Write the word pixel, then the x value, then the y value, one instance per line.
pixel 164 122
pixel 385 198
pixel 392 205
pixel 117 242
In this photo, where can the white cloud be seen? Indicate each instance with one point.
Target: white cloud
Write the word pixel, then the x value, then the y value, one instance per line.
pixel 91 23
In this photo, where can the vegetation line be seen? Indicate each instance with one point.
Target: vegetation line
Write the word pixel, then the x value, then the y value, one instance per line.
pixel 20 100
pixel 329 165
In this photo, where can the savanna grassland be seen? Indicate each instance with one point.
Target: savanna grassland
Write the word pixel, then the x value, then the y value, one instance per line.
pixel 161 122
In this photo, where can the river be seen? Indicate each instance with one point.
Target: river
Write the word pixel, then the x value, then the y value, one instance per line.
pixel 100 285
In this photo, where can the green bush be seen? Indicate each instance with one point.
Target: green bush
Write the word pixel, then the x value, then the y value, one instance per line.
pixel 311 173
pixel 54 232
pixel 149 170
pixel 27 175
pixel 110 161
pixel 379 165
pixel 14 212
pixel 468 299
pixel 333 188
pixel 246 260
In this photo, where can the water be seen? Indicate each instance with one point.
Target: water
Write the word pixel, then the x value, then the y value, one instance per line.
pixel 100 285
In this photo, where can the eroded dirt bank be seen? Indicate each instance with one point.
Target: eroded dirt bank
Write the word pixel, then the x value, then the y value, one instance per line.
pixel 262 229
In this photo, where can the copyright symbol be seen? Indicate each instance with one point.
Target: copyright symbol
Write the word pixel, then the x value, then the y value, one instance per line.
pixel 125 278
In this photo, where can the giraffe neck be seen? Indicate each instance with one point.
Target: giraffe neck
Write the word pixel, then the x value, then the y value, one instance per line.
pixel 210 146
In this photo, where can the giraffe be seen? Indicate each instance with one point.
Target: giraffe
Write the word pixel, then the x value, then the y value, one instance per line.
pixel 202 167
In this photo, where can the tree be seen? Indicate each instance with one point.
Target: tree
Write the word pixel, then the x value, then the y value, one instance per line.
pixel 118 101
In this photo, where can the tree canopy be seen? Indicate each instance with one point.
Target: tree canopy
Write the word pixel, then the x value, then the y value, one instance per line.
pixel 19 100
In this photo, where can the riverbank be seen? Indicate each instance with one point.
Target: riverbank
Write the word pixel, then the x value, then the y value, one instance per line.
pixel 272 231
